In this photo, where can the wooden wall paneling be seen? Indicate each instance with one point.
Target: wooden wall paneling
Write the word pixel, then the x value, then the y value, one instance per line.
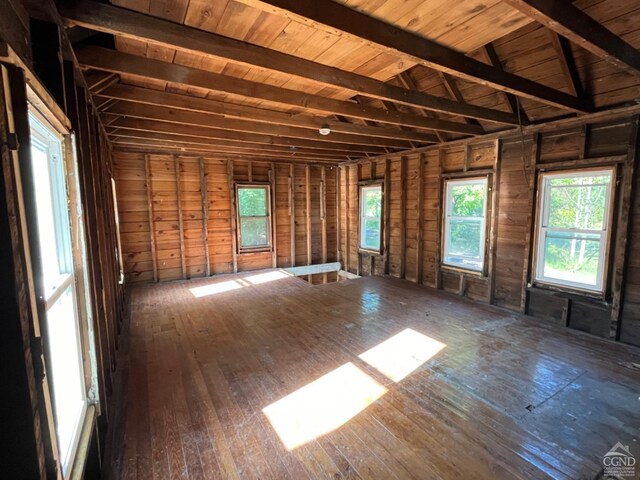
pixel 347 213
pixel 323 216
pixel 232 216
pixel 274 219
pixel 420 229
pixel 307 186
pixel 356 217
pixel 152 232
pixel 531 179
pixel 183 262
pixel 403 215
pixel 621 259
pixel 205 215
pixel 339 210
pixel 439 214
pixel 495 213
pixel 386 213
pixel 292 214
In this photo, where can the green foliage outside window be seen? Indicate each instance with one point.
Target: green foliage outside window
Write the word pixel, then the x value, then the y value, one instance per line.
pixel 371 218
pixel 253 213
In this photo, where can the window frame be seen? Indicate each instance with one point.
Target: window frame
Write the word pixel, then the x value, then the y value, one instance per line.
pixel 370 185
pixel 542 212
pixel 268 247
pixel 485 222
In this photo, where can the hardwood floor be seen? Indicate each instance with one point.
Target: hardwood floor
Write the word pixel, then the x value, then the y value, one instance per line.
pixel 454 389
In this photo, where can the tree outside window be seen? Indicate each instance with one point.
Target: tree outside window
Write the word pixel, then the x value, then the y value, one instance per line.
pixel 572 230
pixel 465 223
pixel 253 217
pixel 371 217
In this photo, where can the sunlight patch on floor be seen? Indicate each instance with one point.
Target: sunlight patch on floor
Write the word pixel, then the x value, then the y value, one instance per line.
pixel 401 354
pixel 259 278
pixel 323 405
pixel 214 288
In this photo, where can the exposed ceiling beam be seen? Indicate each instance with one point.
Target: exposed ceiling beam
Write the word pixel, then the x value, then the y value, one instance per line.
pixel 571 22
pixel 343 20
pixel 184 117
pixel 211 142
pixel 510 98
pixel 567 62
pixel 187 147
pixel 230 110
pixel 118 21
pixel 407 81
pixel 452 88
pixel 160 150
pixel 206 132
pixel 124 63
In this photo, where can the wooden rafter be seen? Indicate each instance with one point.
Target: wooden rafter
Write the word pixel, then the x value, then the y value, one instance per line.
pixel 205 132
pixel 114 20
pixel 202 119
pixel 270 117
pixel 407 45
pixel 567 62
pixel 407 81
pixel 452 88
pixel 117 62
pixel 510 98
pixel 569 21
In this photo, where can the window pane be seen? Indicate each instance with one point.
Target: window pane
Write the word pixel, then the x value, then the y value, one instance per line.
pixel 252 202
pixel 254 232
pixel 465 248
pixel 62 340
pixel 467 200
pixel 577 204
pixel 371 233
pixel 572 257
pixel 373 202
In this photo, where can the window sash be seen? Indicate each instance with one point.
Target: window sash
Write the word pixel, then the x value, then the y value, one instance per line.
pixel 267 216
pixel 544 229
pixel 364 189
pixel 450 219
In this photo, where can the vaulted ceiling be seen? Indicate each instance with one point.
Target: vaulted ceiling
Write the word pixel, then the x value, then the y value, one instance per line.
pixel 259 78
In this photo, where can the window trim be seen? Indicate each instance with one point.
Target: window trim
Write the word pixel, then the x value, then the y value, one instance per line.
pixel 373 184
pixel 258 248
pixel 607 232
pixel 487 212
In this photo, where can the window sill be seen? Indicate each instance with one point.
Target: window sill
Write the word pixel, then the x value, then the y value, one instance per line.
pixel 254 251
pixel 471 273
pixel 570 292
pixel 84 443
pixel 370 252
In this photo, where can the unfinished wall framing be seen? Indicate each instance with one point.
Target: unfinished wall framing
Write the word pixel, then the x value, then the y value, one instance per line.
pixel 178 220
pixel 413 221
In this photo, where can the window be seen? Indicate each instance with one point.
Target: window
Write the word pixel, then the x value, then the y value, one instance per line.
pixel 371 217
pixel 465 223
pixel 254 218
pixel 572 228
pixel 61 322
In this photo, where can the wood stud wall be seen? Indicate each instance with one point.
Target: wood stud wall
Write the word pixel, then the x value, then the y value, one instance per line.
pixel 178 219
pixel 414 185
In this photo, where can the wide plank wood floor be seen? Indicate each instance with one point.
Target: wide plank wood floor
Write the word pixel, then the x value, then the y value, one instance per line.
pixel 507 397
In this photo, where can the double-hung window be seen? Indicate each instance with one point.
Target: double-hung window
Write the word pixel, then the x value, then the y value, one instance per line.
pixel 58 289
pixel 254 217
pixel 371 217
pixel 573 220
pixel 465 223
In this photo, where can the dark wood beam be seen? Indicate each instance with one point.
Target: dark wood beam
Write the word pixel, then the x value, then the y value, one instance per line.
pixel 203 141
pixel 415 48
pixel 118 21
pixel 567 62
pixel 572 23
pixel 206 132
pixel 230 110
pixel 188 147
pixel 183 117
pixel 510 98
pixel 407 81
pixel 117 62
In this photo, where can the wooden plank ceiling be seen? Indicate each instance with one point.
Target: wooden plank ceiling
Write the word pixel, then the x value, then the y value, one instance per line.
pixel 249 77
